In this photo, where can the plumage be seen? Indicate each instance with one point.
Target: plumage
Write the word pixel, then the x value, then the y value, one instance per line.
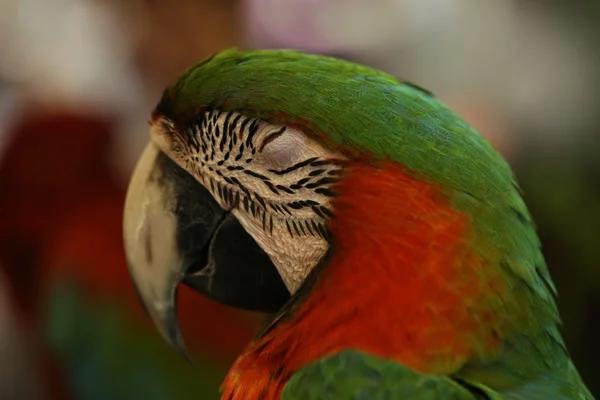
pixel 434 268
pixel 355 375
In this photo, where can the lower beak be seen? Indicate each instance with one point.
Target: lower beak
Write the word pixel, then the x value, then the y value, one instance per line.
pixel 174 231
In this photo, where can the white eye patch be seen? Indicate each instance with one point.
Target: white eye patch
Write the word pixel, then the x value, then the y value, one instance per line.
pixel 284 147
pixel 276 180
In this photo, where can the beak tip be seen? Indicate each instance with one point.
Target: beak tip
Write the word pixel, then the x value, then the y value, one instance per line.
pixel 168 325
pixel 183 352
pixel 148 231
pixel 172 334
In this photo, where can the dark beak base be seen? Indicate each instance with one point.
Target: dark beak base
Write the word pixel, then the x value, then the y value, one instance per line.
pixel 175 231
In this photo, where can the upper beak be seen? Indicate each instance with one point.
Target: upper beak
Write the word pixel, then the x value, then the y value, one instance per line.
pixel 150 235
pixel 175 231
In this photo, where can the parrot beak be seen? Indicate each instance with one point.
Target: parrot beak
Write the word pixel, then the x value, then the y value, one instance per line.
pixel 174 231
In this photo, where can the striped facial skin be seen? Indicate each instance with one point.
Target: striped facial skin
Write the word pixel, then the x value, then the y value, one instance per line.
pixel 274 179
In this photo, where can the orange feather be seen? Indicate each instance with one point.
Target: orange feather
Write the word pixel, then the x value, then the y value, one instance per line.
pixel 403 283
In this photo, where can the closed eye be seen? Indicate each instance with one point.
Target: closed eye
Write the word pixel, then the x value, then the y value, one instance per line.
pixel 272 137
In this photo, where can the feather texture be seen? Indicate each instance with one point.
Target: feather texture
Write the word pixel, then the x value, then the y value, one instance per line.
pixel 375 119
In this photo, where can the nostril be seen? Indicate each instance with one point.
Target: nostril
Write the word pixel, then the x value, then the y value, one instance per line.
pixel 162 134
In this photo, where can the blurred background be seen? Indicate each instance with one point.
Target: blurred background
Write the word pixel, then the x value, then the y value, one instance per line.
pixel 78 79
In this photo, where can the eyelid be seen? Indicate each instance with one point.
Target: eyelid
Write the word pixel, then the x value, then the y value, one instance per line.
pixel 272 136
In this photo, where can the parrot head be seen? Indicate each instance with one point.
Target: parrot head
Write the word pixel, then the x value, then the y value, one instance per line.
pixel 236 192
pixel 242 222
pixel 231 204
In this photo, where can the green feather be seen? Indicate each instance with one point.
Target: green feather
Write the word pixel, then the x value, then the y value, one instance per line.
pixel 364 110
pixel 352 375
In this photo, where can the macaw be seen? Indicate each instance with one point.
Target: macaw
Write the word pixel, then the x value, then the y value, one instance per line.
pixel 387 238
pixel 62 253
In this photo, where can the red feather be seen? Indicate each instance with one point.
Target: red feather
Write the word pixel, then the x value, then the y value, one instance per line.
pixel 403 283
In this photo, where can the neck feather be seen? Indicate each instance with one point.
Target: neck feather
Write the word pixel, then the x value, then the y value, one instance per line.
pixel 403 283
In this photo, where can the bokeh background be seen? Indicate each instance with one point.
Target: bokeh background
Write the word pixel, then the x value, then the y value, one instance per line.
pixel 78 79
